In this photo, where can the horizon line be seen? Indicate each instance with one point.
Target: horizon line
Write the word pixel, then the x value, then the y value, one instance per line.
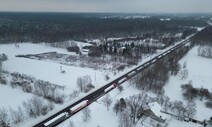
pixel 106 12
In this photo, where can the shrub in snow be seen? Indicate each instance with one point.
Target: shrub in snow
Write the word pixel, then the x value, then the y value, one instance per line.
pixel 3 80
pixel 86 114
pixel 208 104
pixel 205 51
pixel 49 91
pixel 36 107
pixel 190 109
pixel 71 124
pixel 89 87
pixel 84 83
pixel 42 88
pixel 107 100
pixel 120 106
pixel 184 74
pixel 189 92
pixel 74 94
pixel 27 87
pixel 124 119
pixel 3 57
pixel 120 88
pixel 74 49
pixel 4 118
pixel 107 77
pixel 16 116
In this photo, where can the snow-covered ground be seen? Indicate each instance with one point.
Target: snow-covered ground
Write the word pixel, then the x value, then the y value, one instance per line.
pixel 200 73
pixel 44 70
pixel 49 71
pixel 12 97
pixel 100 116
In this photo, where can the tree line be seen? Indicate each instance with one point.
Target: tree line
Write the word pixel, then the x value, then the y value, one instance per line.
pixel 53 27
pixel 32 108
pixel 45 89
pixel 203 37
pixel 156 76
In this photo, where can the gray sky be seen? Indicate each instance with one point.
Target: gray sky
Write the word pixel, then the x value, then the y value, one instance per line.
pixel 170 6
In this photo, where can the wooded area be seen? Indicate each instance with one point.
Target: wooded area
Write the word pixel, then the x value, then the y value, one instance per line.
pixel 52 27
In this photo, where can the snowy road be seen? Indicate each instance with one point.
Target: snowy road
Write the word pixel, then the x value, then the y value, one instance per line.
pixel 92 97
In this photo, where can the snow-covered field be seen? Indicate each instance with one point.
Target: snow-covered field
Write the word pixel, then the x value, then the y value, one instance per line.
pixel 12 97
pixel 99 114
pixel 197 66
pixel 47 71
pixel 200 72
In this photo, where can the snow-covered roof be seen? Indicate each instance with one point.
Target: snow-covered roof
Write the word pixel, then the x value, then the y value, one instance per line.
pixel 156 108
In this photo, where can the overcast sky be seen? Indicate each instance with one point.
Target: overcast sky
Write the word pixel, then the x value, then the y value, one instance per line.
pixel 131 6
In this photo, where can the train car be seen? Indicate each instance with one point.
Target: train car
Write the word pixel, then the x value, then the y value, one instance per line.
pixel 147 64
pixel 56 120
pixel 131 74
pixel 139 68
pixel 160 56
pixel 110 87
pixel 153 61
pixel 79 106
pixel 122 80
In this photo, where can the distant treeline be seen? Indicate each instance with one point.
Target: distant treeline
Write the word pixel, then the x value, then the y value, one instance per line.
pixel 204 37
pixel 52 27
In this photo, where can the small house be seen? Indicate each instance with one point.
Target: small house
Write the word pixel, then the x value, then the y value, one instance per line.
pixel 153 110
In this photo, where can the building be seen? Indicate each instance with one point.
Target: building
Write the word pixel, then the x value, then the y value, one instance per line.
pixel 153 110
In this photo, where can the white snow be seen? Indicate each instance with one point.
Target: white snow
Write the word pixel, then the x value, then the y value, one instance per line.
pixel 103 118
pixel 156 108
pixel 99 114
pixel 12 97
pixel 200 73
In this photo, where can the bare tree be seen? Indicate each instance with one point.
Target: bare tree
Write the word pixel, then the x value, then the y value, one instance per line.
pixel 135 103
pixel 80 84
pixel 184 65
pixel 71 124
pixel 116 107
pixel 120 106
pixel 166 103
pixel 86 114
pixel 179 108
pixel 84 83
pixel 107 100
pixel 74 94
pixel 120 88
pixel 190 109
pixel 4 120
pixel 124 119
pixel 87 80
pixel 50 105
pixel 36 107
pixel 183 74
pixel 16 116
